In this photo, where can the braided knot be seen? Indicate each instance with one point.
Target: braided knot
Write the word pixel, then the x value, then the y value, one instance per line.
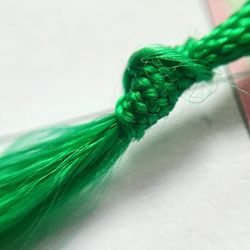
pixel 154 79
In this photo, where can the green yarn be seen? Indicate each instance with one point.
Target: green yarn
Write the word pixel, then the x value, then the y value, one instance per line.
pixel 45 169
pixel 157 76
pixel 153 81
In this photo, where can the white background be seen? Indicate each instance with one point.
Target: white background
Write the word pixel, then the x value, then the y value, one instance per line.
pixel 186 185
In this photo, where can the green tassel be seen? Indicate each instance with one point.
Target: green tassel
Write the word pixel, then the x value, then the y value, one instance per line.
pixel 50 166
pixel 46 169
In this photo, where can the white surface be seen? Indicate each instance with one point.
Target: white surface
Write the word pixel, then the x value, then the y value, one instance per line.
pixel 186 184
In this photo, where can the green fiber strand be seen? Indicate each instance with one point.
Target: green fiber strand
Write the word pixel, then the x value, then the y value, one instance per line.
pixel 157 76
pixel 46 169
pixel 67 161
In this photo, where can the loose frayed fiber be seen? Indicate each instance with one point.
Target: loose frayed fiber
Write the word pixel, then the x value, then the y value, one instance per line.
pixel 45 169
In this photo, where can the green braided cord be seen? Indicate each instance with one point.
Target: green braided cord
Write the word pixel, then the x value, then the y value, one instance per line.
pixel 47 170
pixel 157 76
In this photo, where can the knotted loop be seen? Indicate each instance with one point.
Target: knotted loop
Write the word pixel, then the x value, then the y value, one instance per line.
pixel 153 81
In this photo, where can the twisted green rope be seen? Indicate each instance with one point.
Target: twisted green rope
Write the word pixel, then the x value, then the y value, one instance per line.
pixel 44 170
pixel 157 76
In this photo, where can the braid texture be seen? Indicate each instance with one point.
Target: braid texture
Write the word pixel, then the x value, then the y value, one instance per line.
pixel 153 81
pixel 157 76
pixel 226 43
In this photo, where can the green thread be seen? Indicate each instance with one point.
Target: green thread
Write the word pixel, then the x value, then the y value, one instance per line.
pixel 44 170
pixel 154 80
pixel 157 76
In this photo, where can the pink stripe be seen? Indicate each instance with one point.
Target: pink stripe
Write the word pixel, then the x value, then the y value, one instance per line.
pixel 221 10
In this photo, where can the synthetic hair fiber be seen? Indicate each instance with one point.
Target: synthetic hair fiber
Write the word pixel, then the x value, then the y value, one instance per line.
pixel 60 163
pixel 46 169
